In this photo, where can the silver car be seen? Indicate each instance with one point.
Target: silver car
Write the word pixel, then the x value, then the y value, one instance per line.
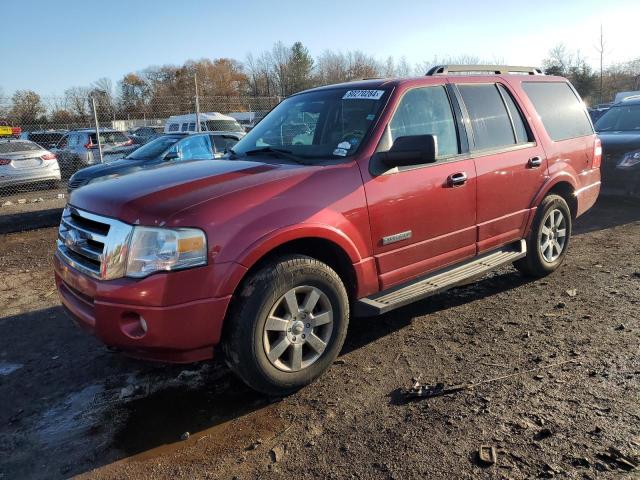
pixel 79 148
pixel 24 162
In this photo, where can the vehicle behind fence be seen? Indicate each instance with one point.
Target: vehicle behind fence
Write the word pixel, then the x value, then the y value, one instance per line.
pixel 42 146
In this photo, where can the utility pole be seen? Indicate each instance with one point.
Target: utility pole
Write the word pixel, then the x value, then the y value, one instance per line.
pixel 195 79
pixel 600 49
pixel 95 118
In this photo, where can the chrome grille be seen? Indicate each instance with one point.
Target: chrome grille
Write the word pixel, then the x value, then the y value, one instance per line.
pixel 93 244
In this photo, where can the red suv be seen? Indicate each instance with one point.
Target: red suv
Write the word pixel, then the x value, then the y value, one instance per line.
pixel 349 199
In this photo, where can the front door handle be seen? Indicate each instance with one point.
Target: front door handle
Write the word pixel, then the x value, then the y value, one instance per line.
pixel 534 162
pixel 457 179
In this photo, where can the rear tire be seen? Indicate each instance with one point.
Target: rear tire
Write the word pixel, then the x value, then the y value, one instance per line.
pixel 271 349
pixel 548 240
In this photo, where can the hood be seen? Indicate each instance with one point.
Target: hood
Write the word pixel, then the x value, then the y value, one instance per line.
pixel 152 196
pixel 102 169
pixel 619 142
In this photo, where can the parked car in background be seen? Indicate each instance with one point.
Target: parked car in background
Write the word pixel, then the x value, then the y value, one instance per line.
pixel 79 148
pixel 45 138
pixel 24 162
pixel 248 120
pixel 7 131
pixel 619 132
pixel 142 135
pixel 212 122
pixel 164 150
pixel 401 189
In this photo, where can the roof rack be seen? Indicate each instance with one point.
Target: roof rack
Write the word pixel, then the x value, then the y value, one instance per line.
pixel 495 69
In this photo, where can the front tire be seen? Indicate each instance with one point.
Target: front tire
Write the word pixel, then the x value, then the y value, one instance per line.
pixel 287 325
pixel 548 240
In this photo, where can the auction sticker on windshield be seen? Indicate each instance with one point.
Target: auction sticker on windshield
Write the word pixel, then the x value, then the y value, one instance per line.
pixel 363 95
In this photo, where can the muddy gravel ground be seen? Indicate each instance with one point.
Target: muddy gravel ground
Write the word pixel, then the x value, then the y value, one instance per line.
pixel 69 407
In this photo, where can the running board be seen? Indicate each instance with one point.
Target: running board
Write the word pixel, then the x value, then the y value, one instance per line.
pixel 439 281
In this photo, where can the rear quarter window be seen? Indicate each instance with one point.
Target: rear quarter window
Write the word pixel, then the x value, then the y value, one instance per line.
pixel 561 111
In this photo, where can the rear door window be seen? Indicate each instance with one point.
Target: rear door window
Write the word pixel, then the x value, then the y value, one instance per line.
pixel 563 114
pixel 522 134
pixel 489 118
pixel 427 111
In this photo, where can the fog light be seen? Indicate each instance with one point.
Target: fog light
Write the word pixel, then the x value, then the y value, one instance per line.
pixel 133 325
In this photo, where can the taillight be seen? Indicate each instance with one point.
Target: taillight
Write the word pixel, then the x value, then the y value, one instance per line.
pixel 90 145
pixel 48 156
pixel 128 142
pixel 16 131
pixel 4 161
pixel 597 153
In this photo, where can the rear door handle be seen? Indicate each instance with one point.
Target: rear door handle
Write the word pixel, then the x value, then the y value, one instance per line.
pixel 534 162
pixel 457 179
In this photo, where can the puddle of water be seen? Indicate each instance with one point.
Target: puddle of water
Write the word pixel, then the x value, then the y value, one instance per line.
pixel 162 417
pixel 9 368
pixel 71 419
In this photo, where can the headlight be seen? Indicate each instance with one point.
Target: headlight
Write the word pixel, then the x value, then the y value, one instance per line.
pixel 630 159
pixel 102 179
pixel 158 249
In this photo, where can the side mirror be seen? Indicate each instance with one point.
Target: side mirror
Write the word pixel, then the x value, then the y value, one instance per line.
pixel 411 150
pixel 171 156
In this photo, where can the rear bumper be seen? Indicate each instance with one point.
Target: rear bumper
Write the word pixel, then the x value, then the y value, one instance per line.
pixel 30 176
pixel 179 332
pixel 587 195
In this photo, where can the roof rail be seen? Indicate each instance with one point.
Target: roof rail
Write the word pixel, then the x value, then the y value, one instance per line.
pixel 495 69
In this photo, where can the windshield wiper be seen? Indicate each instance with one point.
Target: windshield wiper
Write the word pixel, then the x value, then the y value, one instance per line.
pixel 280 152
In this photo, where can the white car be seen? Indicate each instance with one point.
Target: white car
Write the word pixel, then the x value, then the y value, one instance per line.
pixel 25 162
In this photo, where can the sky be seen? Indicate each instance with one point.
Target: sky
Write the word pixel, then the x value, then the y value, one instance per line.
pixel 49 46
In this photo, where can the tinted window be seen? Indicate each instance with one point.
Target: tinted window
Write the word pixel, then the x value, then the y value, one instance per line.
pixel 489 118
pixel 192 127
pixel 223 143
pixel 426 111
pixel 623 118
pixel 109 138
pixel 185 126
pixel 561 111
pixel 154 148
pixel 516 116
pixel 174 127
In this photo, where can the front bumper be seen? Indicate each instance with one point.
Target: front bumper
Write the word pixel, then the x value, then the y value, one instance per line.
pixel 146 318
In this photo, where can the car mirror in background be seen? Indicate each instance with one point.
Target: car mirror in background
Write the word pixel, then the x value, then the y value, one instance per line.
pixel 411 150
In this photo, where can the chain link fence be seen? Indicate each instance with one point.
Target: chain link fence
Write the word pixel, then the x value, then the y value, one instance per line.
pixel 42 145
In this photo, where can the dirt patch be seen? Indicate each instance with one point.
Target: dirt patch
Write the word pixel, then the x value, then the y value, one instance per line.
pixel 70 407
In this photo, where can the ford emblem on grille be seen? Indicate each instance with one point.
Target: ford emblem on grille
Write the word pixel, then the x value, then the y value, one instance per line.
pixel 72 239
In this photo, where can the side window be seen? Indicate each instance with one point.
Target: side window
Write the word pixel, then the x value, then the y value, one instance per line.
pixel 489 118
pixel 203 127
pixel 63 142
pixel 174 127
pixel 192 127
pixel 197 147
pixel 522 135
pixel 222 142
pixel 427 111
pixel 185 126
pixel 73 140
pixel 561 111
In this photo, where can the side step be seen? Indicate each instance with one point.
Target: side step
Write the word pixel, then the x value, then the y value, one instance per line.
pixel 439 281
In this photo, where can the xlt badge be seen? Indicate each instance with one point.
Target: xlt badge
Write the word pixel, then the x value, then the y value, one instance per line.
pixel 396 237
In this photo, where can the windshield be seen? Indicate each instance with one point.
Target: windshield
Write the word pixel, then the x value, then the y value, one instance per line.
pixel 222 126
pixel 622 118
pixel 315 125
pixel 154 148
